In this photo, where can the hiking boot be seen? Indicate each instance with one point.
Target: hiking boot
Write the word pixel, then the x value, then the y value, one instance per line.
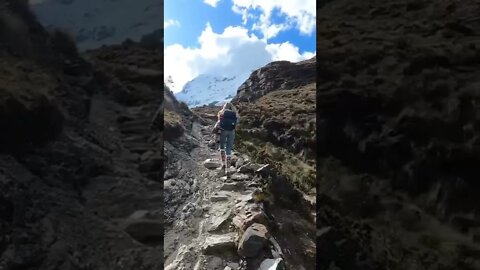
pixel 222 171
pixel 229 161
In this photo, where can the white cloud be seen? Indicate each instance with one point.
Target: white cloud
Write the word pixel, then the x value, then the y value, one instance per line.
pixel 212 3
pixel 232 52
pixel 287 51
pixel 299 13
pixel 170 23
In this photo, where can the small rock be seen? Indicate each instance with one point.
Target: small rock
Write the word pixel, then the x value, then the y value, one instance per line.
pixel 249 168
pixel 234 159
pixel 240 162
pixel 227 268
pixel 219 243
pixel 239 177
pixel 139 214
pixel 234 266
pixel 212 164
pixel 272 264
pixel 253 240
pixel 232 186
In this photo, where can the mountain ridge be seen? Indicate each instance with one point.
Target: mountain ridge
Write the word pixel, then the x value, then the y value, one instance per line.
pixel 95 23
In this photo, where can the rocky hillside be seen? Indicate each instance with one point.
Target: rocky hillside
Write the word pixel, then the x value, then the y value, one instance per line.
pixel 398 119
pixel 79 165
pixel 277 119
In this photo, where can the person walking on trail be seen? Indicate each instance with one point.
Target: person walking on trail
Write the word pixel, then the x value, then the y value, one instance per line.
pixel 227 121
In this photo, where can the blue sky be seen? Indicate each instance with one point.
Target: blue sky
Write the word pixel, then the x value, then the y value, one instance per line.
pixel 202 36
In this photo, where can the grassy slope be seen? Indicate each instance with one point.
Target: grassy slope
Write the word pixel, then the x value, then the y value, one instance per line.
pixel 288 112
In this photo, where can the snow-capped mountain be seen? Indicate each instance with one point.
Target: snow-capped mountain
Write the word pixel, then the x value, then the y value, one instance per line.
pixel 100 22
pixel 210 89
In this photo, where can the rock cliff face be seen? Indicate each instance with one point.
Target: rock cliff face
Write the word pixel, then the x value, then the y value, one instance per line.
pixel 79 166
pixel 398 120
pixel 279 75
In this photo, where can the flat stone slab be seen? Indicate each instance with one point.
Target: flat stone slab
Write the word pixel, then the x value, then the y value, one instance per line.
pixel 236 186
pixel 212 164
pixel 216 244
pixel 249 168
pixel 272 264
pixel 239 177
pixel 219 197
pixel 217 222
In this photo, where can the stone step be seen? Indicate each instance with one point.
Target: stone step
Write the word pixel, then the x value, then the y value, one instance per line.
pixel 218 244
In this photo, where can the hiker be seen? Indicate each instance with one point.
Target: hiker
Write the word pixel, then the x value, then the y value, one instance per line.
pixel 226 123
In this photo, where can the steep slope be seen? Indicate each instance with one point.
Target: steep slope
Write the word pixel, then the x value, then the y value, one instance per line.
pixel 398 125
pixel 277 109
pixel 210 89
pixel 74 193
pixel 95 23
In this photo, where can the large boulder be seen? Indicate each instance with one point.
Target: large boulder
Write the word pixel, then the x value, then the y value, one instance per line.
pixel 253 241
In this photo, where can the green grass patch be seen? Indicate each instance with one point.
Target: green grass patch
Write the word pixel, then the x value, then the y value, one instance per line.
pixel 299 172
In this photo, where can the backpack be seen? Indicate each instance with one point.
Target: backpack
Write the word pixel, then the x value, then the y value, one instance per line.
pixel 229 120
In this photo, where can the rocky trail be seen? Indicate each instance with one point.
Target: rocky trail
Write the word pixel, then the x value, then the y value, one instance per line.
pixel 138 139
pixel 224 223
